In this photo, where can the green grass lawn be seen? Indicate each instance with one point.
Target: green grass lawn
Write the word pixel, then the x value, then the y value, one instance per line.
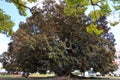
pixel 31 75
pixel 41 75
pixel 114 77
pixel 5 76
pixel 46 77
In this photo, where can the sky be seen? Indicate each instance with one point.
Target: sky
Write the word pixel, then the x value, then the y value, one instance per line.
pixel 13 12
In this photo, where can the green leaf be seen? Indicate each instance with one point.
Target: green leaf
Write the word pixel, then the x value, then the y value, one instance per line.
pixel 21 9
pixel 95 15
pixel 95 1
pixel 84 2
pixel 70 12
pixel 6 23
pixel 75 7
pixel 10 32
pixel 72 3
pixel 105 8
pixel 32 1
pixel 117 7
pixel 98 32
pixel 92 28
pixel 80 10
pixel 114 23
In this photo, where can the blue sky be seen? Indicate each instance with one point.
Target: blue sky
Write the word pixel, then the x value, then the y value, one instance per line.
pixel 13 12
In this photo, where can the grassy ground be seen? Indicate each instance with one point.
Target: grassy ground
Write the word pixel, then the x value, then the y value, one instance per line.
pixel 48 77
pixel 5 76
pixel 41 75
pixel 116 77
pixel 31 77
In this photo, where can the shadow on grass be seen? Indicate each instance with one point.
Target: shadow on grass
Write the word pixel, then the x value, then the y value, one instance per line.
pixel 55 78
pixel 58 78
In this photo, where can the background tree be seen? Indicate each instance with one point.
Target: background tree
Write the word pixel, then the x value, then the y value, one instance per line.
pixel 51 40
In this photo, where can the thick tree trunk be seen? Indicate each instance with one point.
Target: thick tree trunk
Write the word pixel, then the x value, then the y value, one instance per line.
pixel 25 74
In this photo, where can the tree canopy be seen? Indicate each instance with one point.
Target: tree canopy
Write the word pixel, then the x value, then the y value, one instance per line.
pixel 100 8
pixel 52 40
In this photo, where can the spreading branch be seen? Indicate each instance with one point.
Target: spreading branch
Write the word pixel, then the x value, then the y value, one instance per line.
pixel 92 3
pixel 17 2
pixel 96 4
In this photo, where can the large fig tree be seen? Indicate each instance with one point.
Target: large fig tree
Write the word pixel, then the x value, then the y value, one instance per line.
pixel 51 40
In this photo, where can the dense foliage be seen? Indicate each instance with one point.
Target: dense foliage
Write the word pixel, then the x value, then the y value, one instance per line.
pixel 52 40
pixel 74 7
pixel 98 8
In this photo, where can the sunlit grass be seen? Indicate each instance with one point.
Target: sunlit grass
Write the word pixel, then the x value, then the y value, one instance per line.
pixel 41 75
pixel 114 77
pixel 51 75
pixel 5 76
pixel 31 75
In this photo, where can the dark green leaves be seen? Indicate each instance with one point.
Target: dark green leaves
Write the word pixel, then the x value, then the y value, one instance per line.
pixel 51 40
pixel 70 12
pixel 72 3
pixel 75 7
